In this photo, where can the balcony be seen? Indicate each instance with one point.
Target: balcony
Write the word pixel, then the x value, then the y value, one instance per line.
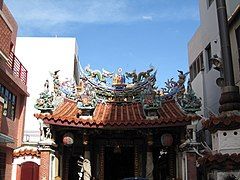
pixel 18 69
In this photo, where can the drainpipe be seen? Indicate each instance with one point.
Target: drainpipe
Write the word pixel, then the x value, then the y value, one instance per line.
pixel 230 98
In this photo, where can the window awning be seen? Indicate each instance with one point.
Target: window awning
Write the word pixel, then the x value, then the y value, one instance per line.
pixel 5 139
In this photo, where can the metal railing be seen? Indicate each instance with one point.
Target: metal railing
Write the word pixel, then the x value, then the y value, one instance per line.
pixel 18 69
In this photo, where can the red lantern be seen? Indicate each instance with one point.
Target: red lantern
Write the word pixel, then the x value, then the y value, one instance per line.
pixel 85 139
pixel 166 139
pixel 68 139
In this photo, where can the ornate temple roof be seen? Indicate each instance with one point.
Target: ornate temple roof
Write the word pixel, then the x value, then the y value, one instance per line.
pixel 119 116
pixel 132 100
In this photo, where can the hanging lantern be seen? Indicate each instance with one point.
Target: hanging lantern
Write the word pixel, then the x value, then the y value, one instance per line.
pixel 150 139
pixel 85 139
pixel 166 139
pixel 117 149
pixel 68 139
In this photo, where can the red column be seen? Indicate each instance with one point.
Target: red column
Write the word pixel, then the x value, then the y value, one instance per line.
pixel 45 165
pixel 191 166
pixel 18 172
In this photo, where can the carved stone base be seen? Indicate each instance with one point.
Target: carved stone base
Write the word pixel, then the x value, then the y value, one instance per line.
pixel 47 143
pixel 230 99
pixel 226 141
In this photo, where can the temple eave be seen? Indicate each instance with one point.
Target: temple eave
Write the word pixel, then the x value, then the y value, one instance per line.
pixel 130 124
pixel 222 122
pixel 220 161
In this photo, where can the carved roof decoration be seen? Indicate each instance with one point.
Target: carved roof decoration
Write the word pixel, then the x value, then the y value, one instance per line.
pixel 127 91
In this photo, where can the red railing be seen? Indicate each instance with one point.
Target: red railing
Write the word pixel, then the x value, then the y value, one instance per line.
pixel 18 69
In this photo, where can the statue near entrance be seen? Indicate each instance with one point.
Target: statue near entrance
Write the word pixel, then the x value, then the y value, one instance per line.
pixel 85 169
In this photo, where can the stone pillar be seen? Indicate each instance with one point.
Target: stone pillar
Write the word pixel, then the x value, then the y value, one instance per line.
pixel 18 173
pixel 87 162
pixel 172 162
pixel 101 158
pixel 46 151
pixel 45 165
pixel 14 171
pixel 136 161
pixel 149 164
pixel 87 155
pixel 65 161
pixel 191 166
pixel 86 147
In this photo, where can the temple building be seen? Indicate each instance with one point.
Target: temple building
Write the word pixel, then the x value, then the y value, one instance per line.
pixel 112 126
pixel 222 161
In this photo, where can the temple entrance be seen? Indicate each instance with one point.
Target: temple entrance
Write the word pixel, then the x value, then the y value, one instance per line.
pixel 73 168
pixel 119 163
pixel 164 163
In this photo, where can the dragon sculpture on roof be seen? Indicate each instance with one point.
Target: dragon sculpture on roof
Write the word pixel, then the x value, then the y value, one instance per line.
pixel 141 88
pixel 136 78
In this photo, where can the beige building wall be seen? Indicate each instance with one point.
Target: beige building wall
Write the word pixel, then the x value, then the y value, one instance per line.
pixel 204 84
pixel 206 35
pixel 234 24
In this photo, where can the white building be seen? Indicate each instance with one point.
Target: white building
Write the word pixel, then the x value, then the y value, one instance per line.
pixel 204 44
pixel 201 48
pixel 42 55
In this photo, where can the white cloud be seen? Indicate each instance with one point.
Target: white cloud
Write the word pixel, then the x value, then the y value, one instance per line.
pixel 45 14
pixel 92 11
pixel 148 18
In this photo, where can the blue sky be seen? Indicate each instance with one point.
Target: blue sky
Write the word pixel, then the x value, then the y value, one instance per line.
pixel 131 34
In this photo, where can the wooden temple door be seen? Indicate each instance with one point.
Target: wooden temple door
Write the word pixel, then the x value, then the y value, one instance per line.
pixel 29 171
pixel 119 163
pixel 119 159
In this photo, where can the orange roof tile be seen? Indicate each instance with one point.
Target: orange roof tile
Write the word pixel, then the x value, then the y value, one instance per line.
pixel 26 151
pixel 129 115
pixel 220 161
pixel 222 122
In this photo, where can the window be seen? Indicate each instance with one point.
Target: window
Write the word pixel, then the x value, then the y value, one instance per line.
pixel 9 106
pixel 196 66
pixel 237 32
pixel 209 2
pixel 201 62
pixel 1 4
pixel 209 56
pixel 191 73
pixel 12 47
pixel 2 165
